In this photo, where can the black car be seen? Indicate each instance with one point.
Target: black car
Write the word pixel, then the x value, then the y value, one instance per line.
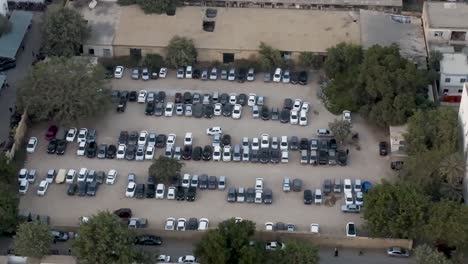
pixel 254 156
pixel 115 96
pixel 191 194
pixel 383 148
pixel 212 183
pixel 197 111
pixel 242 99
pixel 71 190
pixel 197 153
pixel 124 95
pixel 284 115
pixel 109 72
pixel 308 197
pixel 180 193
pixel 208 111
pixel 324 144
pixel 265 113
pixel 203 181
pixel 275 156
pixel 150 190
pixel 196 74
pixel 148 240
pixel 332 143
pixel 342 158
pixel 140 191
pixel 226 140
pixel 207 152
pixel 130 152
pixel 82 188
pixel 161 141
pixel 192 224
pixel 303 78
pixel 133 96
pixel 288 104
pixel 61 147
pixel 52 146
pixel 91 150
pixel 154 73
pixel 100 176
pixel 161 97
pixel 178 98
pixel 111 151
pixel 121 106
pixel 187 98
pixel 264 156
pixel 151 179
pixel 323 157
pixel 159 109
pixel 304 144
pixel 275 113
pixel 224 98
pixel 123 137
pixel 149 110
pixel 293 143
pixel 133 138
pixel 187 153
pixel 92 189
pixel 294 78
pixel 227 110
pixel 241 74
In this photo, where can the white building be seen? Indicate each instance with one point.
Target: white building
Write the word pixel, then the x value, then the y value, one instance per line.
pixel 453 74
pixel 463 121
pixel 3 7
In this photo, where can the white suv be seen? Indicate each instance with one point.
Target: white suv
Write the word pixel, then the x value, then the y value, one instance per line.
pixel 160 189
pixel 265 141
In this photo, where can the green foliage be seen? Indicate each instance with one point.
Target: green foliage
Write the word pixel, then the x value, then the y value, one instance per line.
pixel 181 52
pixel 63 31
pixel 310 60
pixel 270 57
pixel 425 254
pixel 251 62
pixel 126 2
pixel 296 252
pixel 5 25
pixel 341 129
pixel 395 210
pixel 104 239
pixel 342 58
pixel 164 168
pixel 435 57
pixel 8 208
pixel 126 61
pixel 33 239
pixel 64 90
pixel 7 172
pixel 433 130
pixel 158 6
pixel 153 61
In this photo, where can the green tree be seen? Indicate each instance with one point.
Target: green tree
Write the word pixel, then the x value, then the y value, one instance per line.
pixel 297 252
pixel 5 25
pixel 8 209
pixel 435 57
pixel 104 239
pixel 153 61
pixel 395 210
pixel 64 90
pixel 425 254
pixel 341 129
pixel 270 57
pixel 342 58
pixel 181 52
pixel 310 60
pixel 63 31
pixel 7 171
pixel 158 6
pixel 33 239
pixel 163 168
pixel 126 2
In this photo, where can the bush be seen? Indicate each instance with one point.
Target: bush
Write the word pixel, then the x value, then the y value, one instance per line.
pixel 251 62
pixel 126 2
pixel 310 60
pixel 126 61
pixel 153 61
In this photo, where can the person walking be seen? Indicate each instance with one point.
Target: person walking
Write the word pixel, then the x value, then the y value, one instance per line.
pixel 336 252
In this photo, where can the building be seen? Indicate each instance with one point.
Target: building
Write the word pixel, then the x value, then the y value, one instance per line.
pixel 393 6
pixel 446 26
pixel 232 35
pixel 387 29
pixel 463 121
pixel 453 75
pixel 3 7
pixel 11 42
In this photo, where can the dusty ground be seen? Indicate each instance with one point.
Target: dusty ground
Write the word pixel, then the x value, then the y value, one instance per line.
pixel 365 164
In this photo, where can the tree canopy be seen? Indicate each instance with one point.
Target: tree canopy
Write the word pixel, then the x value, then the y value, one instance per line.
pixel 8 197
pixel 341 129
pixel 424 254
pixel 181 52
pixel 296 252
pixel 384 87
pixel 33 239
pixel 64 90
pixel 310 60
pixel 163 168
pixel 270 57
pixel 63 31
pixel 153 61
pixel 153 6
pixel 104 239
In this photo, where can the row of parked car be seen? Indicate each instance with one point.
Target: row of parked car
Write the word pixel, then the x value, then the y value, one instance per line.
pixel 257 194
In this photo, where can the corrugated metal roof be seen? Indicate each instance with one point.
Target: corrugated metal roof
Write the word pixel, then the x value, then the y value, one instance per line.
pixel 10 42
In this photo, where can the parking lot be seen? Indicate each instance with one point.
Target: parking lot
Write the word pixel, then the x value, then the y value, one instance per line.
pixel 64 210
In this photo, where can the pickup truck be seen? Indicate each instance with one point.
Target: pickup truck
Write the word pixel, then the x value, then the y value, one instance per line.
pixel 350 208
pixel 135 223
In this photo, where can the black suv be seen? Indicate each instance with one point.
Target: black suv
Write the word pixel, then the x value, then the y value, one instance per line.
pixel 150 190
pixel 161 141
pixel 149 108
pixel 197 153
pixel 187 153
pixel 52 146
pixel 140 191
pixel 91 150
pixel 303 78
pixel 308 197
pixel 148 240
pixel 191 194
pixel 111 150
pixel 180 193
pixel 61 147
pixel 207 152
pixel 123 137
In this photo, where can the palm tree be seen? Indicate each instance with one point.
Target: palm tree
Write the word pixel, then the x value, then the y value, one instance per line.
pixel 452 169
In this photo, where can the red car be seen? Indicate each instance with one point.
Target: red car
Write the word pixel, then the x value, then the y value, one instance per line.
pixel 51 132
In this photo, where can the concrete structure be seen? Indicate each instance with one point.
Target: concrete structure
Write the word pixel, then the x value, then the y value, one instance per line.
pixel 463 121
pixel 453 74
pixel 393 6
pixel 446 26
pixel 3 7
pixel 386 29
pixel 11 42
pixel 234 36
pixel 397 141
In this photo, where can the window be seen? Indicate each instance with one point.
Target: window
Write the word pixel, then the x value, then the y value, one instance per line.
pixel 460 90
pixel 445 90
pixel 447 80
pixel 91 51
pixel 462 80
pixel 286 55
pixel 438 34
pixel 228 57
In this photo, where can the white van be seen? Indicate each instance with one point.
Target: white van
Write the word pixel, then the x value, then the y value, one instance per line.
pixel 188 72
pixel 277 75
pixel 60 178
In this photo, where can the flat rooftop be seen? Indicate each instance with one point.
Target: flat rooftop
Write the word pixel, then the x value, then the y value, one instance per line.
pixel 240 28
pixel 102 19
pixel 447 14
pixel 327 2
pixel 454 63
pixel 11 41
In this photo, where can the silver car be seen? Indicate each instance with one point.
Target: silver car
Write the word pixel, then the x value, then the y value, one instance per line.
pixel 236 155
pixel 398 252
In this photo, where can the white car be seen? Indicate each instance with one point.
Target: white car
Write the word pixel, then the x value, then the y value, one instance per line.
pixel 194 181
pixel 274 245
pixel 181 222
pixel 357 185
pixel 151 141
pixel 42 189
pixel 232 75
pixel 297 105
pixel 162 73
pixel 31 146
pixel 171 139
pixel 217 153
pixel 111 177
pixel 160 190
pixel 170 223
pixel 269 226
pixel 214 131
pixel 347 116
pixel 227 153
pixel 130 192
pixel 70 177
pixel 305 107
pixel 180 73
pixel 188 72
pixel 315 228
pixel 23 187
pixel 359 199
pixel 318 196
pixel 140 153
pixel 81 149
pixel 82 135
pixel 82 174
pixel 187 259
pixel 121 151
pixel 142 138
pixel 251 75
pixel 163 259
pixel 188 139
pixel 237 111
pixel 351 230
pixel 284 145
pixel 149 153
pixel 233 98
pixel 303 118
pixel 171 193
pixel 265 141
pixel 294 117
pixel 186 180
pixel 214 74
pixel 71 134
pixel 286 77
pixel 259 184
pixel 203 224
pixel 169 109
pixel 258 196
pixel 142 96
pixel 118 73
pixel 23 175
pixel 218 109
pixel 277 75
pixel 348 198
pixel 347 187
pixel 252 99
pixel 50 176
pixel 255 144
